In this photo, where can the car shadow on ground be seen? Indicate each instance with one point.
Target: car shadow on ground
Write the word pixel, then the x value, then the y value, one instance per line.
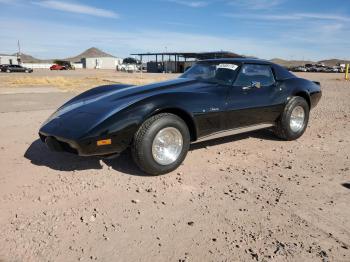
pixel 346 185
pixel 40 155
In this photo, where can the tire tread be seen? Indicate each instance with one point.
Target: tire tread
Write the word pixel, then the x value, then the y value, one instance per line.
pixel 139 136
pixel 281 128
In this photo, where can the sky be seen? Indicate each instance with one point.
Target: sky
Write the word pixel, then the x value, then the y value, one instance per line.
pixel 288 29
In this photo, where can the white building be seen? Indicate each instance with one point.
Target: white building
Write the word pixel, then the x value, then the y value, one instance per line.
pixel 78 65
pixel 101 62
pixel 8 60
pixel 37 65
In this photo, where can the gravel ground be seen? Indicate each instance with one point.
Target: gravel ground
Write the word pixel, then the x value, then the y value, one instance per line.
pixel 249 197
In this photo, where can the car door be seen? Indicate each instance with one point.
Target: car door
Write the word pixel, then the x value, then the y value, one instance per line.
pixel 210 108
pixel 253 98
pixel 16 68
pixel 21 68
pixel 213 101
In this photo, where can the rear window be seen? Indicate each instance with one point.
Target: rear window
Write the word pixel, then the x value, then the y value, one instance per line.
pixel 282 73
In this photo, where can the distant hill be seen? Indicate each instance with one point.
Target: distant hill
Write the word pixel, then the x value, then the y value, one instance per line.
pixel 30 59
pixel 293 63
pixel 95 52
pixel 333 62
pixel 91 52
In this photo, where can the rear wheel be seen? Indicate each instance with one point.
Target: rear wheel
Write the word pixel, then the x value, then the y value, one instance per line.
pixel 161 144
pixel 8 71
pixel 294 119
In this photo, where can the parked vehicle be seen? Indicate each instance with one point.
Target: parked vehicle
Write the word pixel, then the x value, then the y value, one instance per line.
pixel 57 67
pixel 312 69
pixel 16 69
pixel 300 69
pixel 335 69
pixel 159 121
pixel 63 65
pixel 316 68
pixel 130 68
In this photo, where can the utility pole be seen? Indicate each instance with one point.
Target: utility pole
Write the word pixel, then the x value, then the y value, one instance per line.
pixel 141 64
pixel 19 53
pixel 166 64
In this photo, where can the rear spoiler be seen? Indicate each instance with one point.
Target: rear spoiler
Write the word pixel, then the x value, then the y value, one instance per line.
pixel 317 83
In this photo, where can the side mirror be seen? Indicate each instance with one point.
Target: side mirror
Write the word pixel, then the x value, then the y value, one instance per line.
pixel 256 85
pixel 253 85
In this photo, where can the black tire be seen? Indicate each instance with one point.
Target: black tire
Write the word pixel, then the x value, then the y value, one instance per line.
pixel 141 148
pixel 8 71
pixel 282 128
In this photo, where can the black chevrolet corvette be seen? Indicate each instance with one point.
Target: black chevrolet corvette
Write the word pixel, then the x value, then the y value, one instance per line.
pixel 159 121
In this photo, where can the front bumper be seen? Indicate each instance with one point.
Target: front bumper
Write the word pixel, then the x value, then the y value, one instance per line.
pixel 83 148
pixel 59 145
pixel 78 132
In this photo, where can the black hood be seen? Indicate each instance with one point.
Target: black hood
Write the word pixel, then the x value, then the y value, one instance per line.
pixel 115 92
pixel 84 112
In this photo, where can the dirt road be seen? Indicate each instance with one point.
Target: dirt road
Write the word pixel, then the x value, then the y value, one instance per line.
pixel 249 197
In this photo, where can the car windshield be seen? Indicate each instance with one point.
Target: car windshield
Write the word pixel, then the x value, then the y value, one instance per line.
pixel 212 72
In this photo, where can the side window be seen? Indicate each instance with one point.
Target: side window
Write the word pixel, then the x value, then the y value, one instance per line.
pixel 255 73
pixel 225 76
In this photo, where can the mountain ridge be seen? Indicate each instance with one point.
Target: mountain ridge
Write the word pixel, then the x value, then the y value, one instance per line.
pixel 90 52
pixel 293 63
pixel 95 52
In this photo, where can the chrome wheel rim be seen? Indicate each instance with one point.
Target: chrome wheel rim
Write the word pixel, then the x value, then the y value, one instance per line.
pixel 167 146
pixel 297 118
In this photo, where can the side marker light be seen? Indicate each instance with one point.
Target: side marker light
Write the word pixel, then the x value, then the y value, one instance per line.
pixel 104 142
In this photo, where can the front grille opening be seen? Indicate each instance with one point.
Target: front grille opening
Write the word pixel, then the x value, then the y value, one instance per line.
pixel 57 145
pixel 42 137
pixel 67 148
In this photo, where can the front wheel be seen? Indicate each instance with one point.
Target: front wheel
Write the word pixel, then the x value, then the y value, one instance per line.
pixel 161 144
pixel 294 119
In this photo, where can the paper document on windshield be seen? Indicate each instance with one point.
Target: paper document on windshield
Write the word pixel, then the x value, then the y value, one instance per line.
pixel 227 66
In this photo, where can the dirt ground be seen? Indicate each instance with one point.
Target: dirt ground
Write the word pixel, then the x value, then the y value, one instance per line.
pixel 248 197
pixel 78 80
